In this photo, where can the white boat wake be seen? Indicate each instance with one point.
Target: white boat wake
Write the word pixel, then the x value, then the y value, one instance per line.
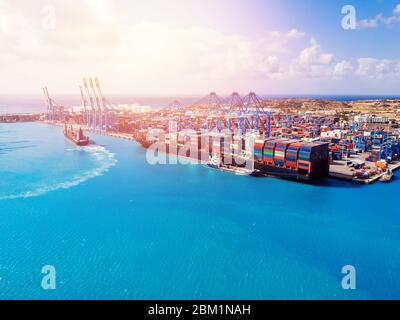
pixel 102 156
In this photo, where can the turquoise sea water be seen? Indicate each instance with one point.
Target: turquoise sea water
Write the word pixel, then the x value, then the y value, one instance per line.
pixel 115 227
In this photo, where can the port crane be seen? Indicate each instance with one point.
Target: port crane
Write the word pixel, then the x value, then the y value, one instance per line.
pixel 96 109
pixel 55 112
pixel 235 112
pixel 261 117
pixel 91 113
pixel 86 118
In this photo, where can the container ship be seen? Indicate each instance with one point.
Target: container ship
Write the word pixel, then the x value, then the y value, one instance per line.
pixel 290 159
pixel 278 157
pixel 76 137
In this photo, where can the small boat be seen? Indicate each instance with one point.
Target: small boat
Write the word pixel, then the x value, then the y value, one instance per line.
pixel 214 162
pixel 387 177
pixel 244 172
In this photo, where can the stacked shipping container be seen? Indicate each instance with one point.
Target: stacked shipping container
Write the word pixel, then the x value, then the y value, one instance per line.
pixel 292 155
pixel 258 150
pixel 269 150
pixel 292 159
pixel 280 157
pixel 280 153
pixel 304 162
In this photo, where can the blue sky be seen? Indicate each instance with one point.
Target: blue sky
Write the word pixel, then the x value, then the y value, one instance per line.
pixel 319 18
pixel 192 47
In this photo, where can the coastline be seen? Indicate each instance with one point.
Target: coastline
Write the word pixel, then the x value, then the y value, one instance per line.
pixel 335 174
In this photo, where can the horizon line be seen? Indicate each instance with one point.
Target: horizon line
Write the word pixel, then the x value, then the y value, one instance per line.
pixel 204 94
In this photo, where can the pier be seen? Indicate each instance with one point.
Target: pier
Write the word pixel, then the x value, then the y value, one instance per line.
pixel 342 173
pixel 12 118
pixel 339 169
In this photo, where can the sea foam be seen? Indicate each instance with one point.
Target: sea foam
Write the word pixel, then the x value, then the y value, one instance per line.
pixel 104 158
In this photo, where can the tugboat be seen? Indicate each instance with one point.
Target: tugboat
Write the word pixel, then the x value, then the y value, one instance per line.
pixel 214 162
pixel 76 137
pixel 247 172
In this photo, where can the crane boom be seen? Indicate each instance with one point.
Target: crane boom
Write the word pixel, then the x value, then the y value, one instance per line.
pixel 88 93
pixel 102 99
pixel 94 93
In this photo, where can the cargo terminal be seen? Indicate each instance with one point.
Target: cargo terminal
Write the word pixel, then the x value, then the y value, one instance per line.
pixel 296 139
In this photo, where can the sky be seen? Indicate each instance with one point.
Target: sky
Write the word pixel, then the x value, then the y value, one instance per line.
pixel 193 47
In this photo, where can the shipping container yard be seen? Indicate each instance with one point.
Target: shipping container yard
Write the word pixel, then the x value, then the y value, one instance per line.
pixel 295 139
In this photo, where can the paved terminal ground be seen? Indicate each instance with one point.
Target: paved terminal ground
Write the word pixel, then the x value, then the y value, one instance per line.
pixel 340 170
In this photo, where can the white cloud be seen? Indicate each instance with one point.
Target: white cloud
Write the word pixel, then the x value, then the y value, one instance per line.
pixel 377 68
pixel 150 56
pixel 313 62
pixel 343 69
pixel 276 42
pixel 314 55
pixel 198 51
pixel 91 39
pixel 367 24
pixel 380 19
pixel 291 34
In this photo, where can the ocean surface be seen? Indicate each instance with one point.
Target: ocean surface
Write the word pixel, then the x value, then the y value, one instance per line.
pixel 115 227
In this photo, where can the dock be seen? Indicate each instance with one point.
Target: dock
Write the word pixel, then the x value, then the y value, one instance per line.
pixel 125 136
pixel 340 170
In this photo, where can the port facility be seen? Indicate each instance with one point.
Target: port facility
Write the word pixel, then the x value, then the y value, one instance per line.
pixel 296 139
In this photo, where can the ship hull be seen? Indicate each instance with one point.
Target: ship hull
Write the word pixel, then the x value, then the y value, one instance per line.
pixel 212 166
pixel 80 143
pixel 265 170
pixel 283 173
pixel 76 137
